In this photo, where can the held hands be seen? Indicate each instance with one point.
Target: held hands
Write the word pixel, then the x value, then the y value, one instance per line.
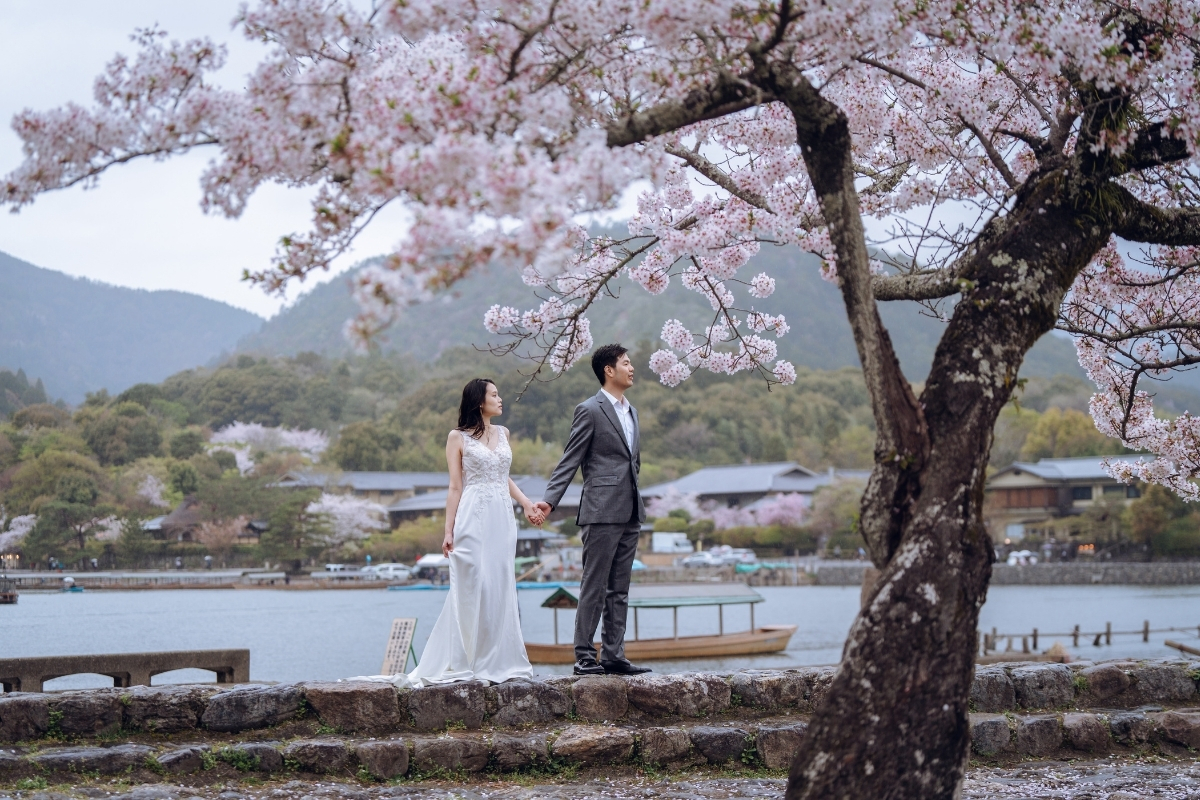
pixel 534 514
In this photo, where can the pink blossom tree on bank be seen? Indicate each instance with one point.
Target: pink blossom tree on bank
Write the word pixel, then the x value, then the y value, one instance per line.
pixel 1063 126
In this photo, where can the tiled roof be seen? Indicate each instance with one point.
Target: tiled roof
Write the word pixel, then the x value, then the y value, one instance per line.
pixel 532 485
pixel 370 481
pixel 777 477
pixel 1069 469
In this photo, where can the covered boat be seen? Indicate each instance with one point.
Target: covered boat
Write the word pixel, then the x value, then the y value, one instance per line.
pixel 765 639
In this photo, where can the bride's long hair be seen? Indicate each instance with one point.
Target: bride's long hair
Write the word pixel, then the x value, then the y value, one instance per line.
pixel 470 410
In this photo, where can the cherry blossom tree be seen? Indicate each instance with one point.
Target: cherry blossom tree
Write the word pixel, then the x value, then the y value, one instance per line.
pixel 1013 151
pixel 349 518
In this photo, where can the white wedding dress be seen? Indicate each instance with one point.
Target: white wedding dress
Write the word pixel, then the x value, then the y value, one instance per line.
pixel 478 634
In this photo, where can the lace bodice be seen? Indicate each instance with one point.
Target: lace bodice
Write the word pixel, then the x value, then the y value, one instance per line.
pixel 485 467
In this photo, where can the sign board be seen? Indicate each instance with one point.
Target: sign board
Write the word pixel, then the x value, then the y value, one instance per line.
pixel 395 659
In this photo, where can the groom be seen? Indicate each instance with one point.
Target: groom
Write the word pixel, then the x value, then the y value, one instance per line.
pixel 604 441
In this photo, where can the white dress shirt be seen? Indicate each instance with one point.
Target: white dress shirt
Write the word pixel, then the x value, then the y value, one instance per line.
pixel 625 415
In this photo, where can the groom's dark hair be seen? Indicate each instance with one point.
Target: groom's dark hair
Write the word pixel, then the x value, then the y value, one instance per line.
pixel 606 356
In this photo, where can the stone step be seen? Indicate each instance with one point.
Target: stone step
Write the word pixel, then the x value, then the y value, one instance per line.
pixel 741 743
pixel 379 708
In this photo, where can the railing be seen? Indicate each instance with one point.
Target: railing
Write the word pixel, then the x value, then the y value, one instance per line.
pixel 989 642
pixel 126 669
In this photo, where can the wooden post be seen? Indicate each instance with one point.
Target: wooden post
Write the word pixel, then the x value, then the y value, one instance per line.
pixel 752 617
pixel 1096 641
pixel 1035 647
pixel 1108 633
pixel 635 624
pixel 1146 631
pixel 1075 637
pixel 556 623
pixel 1024 644
pixel 720 620
pixel 675 614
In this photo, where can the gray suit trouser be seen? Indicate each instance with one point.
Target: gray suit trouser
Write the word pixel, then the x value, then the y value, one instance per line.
pixel 608 551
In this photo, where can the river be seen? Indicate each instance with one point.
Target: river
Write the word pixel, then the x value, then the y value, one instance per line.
pixel 327 634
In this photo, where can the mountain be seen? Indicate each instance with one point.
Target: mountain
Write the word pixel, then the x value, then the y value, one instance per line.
pixel 78 335
pixel 819 338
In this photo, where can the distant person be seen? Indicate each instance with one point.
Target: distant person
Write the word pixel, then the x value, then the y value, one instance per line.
pixel 604 443
pixel 478 634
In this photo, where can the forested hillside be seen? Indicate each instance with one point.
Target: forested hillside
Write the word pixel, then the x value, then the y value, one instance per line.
pixel 820 336
pixel 80 336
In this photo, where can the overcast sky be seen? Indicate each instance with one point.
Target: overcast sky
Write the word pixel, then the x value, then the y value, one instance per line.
pixel 142 226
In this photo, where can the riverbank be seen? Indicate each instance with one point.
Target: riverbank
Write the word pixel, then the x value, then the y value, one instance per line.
pixel 1067 573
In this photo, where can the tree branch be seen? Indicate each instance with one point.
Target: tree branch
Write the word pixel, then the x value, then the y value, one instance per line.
pixel 717 176
pixel 1156 145
pixel 917 286
pixel 1139 221
pixel 728 95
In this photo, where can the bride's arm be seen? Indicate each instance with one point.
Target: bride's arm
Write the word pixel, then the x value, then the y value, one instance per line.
pixel 532 513
pixel 454 449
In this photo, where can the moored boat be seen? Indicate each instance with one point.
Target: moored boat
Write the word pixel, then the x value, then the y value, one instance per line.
pixel 765 639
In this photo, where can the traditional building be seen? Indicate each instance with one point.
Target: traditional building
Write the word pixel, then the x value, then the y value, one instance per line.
pixel 384 488
pixel 1045 499
pixel 434 502
pixel 741 485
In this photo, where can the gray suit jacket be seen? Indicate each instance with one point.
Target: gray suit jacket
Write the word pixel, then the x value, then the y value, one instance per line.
pixel 610 467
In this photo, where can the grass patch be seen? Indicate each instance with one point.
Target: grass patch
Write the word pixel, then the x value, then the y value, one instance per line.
pixel 238 759
pixel 55 731
pixel 35 784
pixel 1080 682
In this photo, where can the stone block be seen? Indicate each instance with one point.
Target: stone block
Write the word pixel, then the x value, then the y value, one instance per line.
pixel 1160 684
pixel 1038 736
pixel 768 690
pixel 510 753
pixel 777 746
pixel 1086 732
pixel 260 756
pixel 666 746
pixel 600 697
pixel 1043 686
pixel 164 709
pixel 593 745
pixel 992 691
pixel 183 760
pixel 104 760
pixel 23 715
pixel 819 681
pixel 1104 682
pixel 384 759
pixel 11 766
pixel 719 745
pixel 252 707
pixel 435 707
pixel 990 734
pixel 519 702
pixel 1130 728
pixel 1181 727
pixel 450 754
pixel 88 713
pixel 688 695
pixel 354 706
pixel 318 755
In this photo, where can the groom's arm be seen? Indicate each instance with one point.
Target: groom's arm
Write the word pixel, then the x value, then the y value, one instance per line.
pixel 573 455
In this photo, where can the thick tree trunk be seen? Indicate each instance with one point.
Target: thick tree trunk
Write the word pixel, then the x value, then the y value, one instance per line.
pixel 894 723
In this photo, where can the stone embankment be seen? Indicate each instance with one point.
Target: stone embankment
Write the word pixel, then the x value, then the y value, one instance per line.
pixel 373 732
pixel 1073 573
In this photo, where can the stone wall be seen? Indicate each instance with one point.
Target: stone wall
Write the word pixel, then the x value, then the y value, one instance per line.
pixel 376 731
pixel 1074 573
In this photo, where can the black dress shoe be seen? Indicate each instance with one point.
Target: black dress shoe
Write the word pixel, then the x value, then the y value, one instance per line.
pixel 623 668
pixel 588 668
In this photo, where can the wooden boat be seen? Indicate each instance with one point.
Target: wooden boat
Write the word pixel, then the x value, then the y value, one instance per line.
pixel 8 592
pixel 765 639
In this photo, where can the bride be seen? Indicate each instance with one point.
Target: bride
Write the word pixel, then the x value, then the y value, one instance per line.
pixel 478 634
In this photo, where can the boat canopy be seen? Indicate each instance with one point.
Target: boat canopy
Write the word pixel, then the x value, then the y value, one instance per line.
pixel 667 595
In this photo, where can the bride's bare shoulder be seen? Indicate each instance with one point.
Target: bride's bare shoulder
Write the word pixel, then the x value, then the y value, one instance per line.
pixel 454 437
